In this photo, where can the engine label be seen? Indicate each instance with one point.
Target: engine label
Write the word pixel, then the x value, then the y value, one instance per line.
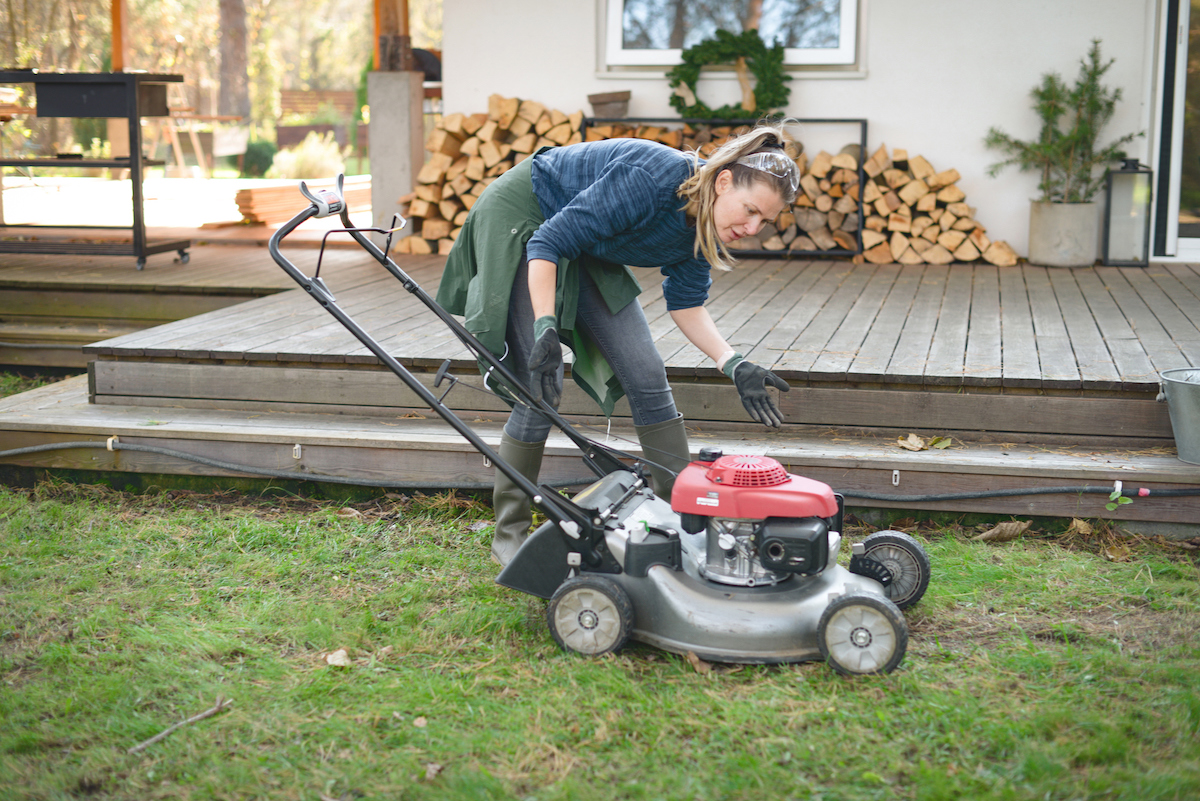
pixel 713 499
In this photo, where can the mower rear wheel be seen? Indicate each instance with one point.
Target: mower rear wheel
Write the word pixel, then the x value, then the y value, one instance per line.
pixel 906 560
pixel 590 615
pixel 861 634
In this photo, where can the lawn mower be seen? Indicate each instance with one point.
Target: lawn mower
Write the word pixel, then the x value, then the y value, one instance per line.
pixel 739 565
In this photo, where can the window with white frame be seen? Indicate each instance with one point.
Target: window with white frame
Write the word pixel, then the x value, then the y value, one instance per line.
pixel 655 32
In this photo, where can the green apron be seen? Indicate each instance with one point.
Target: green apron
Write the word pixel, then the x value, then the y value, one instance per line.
pixel 482 266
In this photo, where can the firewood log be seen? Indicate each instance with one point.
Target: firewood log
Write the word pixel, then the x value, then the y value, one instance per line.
pixel 821 165
pixel 937 255
pixel 803 244
pixel 824 238
pixel 1000 254
pixel 950 240
pixel 880 254
pixel 872 238
pixel 980 240
pixel 966 251
pixel 913 191
pixel 810 220
pixel 920 168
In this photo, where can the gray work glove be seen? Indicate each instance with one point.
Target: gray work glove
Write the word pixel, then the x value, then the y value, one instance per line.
pixel 751 382
pixel 545 361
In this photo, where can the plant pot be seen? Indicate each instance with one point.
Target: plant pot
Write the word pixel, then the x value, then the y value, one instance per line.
pixel 1064 234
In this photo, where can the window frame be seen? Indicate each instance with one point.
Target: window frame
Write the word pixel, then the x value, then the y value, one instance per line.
pixel 846 54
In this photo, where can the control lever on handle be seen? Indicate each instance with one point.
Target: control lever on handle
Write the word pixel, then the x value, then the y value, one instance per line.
pixel 327 201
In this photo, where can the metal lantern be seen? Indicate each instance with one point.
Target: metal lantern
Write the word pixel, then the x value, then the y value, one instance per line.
pixel 1127 195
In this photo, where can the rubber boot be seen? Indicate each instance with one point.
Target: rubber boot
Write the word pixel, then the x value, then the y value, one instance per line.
pixel 513 513
pixel 664 443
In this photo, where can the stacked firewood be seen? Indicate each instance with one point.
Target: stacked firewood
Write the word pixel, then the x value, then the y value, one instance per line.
pixel 912 213
pixel 468 152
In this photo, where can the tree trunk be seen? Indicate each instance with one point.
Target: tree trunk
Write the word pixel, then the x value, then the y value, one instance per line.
pixel 235 81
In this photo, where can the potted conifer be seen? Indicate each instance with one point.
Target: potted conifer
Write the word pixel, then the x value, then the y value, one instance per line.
pixel 1064 223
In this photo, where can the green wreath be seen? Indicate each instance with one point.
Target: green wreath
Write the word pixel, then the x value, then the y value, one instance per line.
pixel 766 63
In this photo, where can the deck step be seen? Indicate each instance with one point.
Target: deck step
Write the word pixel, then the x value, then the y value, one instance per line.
pixel 1135 419
pixel 424 450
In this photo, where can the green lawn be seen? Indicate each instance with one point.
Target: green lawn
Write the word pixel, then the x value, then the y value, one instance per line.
pixel 1037 669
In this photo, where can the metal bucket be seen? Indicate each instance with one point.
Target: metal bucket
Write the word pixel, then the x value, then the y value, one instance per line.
pixel 1181 390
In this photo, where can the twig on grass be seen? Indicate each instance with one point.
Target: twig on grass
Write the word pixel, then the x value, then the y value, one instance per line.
pixel 222 704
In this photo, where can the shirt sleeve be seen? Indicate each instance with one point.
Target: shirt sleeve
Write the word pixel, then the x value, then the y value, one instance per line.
pixel 620 200
pixel 686 285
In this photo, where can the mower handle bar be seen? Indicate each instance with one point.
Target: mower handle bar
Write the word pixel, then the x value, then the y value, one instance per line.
pixel 572 519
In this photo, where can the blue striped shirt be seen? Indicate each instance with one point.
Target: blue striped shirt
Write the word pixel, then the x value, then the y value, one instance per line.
pixel 616 200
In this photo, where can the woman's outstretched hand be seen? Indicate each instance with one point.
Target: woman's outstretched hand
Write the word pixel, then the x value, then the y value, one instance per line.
pixel 545 361
pixel 751 382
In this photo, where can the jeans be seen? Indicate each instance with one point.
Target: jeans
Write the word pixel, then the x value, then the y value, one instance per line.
pixel 623 338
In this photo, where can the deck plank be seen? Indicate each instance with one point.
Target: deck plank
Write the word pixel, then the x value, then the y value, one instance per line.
pixel 737 308
pixel 1097 369
pixel 1133 366
pixel 871 363
pixel 1017 343
pixel 812 341
pixel 1158 345
pixel 911 354
pixel 845 343
pixel 948 350
pixel 983 364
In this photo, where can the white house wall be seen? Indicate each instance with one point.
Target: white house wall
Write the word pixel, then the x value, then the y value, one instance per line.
pixel 934 76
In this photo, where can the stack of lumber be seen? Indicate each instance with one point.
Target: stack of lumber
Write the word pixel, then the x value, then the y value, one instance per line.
pixel 276 203
pixel 468 152
pixel 913 214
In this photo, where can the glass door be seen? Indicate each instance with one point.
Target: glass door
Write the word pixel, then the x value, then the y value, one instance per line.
pixel 1189 180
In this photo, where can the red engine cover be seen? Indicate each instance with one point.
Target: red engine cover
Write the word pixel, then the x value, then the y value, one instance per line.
pixel 749 488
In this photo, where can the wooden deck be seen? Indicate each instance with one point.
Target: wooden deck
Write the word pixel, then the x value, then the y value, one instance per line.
pixel 963 348
pixel 50 306
pixel 1041 376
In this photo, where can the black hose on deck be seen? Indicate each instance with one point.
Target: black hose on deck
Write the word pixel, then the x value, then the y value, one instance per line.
pixel 290 475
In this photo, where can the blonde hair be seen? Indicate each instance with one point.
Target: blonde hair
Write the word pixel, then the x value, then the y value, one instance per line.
pixel 700 194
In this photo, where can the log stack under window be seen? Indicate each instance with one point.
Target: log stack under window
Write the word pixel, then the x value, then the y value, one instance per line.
pixel 912 213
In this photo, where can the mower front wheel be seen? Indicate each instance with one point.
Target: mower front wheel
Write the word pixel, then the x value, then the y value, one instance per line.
pixel 862 634
pixel 590 615
pixel 906 560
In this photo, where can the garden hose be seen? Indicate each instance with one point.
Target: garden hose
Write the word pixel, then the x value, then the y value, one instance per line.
pixel 292 475
pixel 113 444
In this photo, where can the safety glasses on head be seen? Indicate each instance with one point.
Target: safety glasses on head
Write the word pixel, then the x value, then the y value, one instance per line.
pixel 777 163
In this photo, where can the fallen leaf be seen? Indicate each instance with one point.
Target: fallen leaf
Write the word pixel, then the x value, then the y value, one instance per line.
pixel 432 769
pixel 941 443
pixel 1081 527
pixel 912 443
pixel 699 664
pixel 1115 552
pixel 1004 532
pixel 420 722
pixel 387 649
pixel 348 512
pixel 339 658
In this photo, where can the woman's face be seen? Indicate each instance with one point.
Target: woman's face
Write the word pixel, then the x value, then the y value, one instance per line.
pixel 740 211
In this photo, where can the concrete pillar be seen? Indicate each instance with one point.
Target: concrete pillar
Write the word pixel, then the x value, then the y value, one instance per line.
pixel 397 140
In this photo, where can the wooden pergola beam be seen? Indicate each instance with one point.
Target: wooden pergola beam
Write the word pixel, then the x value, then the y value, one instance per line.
pixel 391 25
pixel 120 34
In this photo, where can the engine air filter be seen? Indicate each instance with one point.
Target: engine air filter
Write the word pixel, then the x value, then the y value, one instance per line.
pixel 748 471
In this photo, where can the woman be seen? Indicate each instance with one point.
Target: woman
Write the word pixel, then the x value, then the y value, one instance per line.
pixel 539 263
